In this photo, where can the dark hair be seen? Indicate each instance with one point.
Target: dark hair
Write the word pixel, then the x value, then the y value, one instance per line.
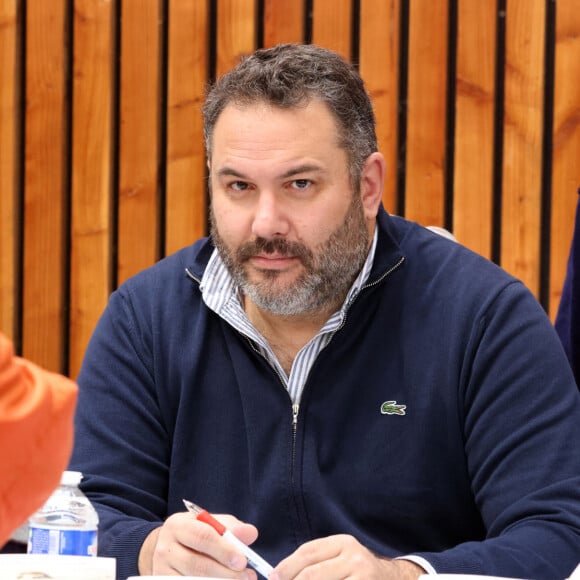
pixel 292 75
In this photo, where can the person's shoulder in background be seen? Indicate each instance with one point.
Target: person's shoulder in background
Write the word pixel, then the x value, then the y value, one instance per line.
pixel 36 435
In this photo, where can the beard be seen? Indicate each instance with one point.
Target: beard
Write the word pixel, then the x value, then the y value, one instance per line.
pixel 328 271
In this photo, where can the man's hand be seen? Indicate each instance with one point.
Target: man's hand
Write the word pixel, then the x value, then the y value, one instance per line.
pixel 185 546
pixel 340 557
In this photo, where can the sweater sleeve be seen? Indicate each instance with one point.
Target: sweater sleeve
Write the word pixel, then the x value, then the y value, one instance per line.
pixel 36 434
pixel 123 448
pixel 521 416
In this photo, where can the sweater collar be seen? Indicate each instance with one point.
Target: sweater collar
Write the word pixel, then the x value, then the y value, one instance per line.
pixel 388 253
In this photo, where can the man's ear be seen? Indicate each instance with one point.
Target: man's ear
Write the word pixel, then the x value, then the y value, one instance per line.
pixel 372 184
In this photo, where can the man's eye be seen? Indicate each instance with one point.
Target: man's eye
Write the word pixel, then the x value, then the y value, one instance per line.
pixel 301 183
pixel 239 185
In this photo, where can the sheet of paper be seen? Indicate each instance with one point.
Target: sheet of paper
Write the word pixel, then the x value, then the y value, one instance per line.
pixel 29 566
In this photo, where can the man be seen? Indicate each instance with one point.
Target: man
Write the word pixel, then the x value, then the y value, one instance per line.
pixel 36 435
pixel 373 399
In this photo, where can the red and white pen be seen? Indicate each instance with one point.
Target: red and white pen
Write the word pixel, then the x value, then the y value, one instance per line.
pixel 256 562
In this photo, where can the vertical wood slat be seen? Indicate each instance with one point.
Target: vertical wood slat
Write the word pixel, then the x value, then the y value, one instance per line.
pixel 426 112
pixel 523 119
pixel 566 144
pixel 45 184
pixel 9 63
pixel 332 25
pixel 474 125
pixel 138 236
pixel 379 67
pixel 283 22
pixel 236 32
pixel 91 172
pixel 187 76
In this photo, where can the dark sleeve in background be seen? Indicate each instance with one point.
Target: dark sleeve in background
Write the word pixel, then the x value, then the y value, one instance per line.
pixel 568 315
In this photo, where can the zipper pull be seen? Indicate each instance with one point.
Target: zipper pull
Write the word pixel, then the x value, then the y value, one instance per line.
pixel 295 408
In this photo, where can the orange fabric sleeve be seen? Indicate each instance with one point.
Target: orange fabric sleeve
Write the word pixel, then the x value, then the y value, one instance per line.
pixel 36 435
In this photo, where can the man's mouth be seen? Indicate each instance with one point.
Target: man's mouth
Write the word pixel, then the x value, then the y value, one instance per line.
pixel 275 261
pixel 273 254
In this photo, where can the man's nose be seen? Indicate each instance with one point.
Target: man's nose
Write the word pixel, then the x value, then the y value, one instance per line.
pixel 270 217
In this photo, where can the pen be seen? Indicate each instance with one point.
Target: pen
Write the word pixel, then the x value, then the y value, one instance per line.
pixel 257 562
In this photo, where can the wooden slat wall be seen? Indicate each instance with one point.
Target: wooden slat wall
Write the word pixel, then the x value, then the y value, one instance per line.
pixel 45 192
pixel 9 164
pixel 139 136
pixel 332 25
pixel 424 199
pixel 379 55
pixel 102 168
pixel 523 111
pixel 474 134
pixel 236 31
pixel 187 71
pixel 283 22
pixel 91 276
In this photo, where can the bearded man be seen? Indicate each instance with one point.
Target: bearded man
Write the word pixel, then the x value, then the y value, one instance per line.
pixel 352 394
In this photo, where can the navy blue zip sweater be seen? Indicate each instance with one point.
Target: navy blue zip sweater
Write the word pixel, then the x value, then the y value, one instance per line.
pixel 480 474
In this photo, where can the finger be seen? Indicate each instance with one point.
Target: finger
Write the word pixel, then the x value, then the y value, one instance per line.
pixel 209 542
pixel 308 555
pixel 339 556
pixel 173 557
pixel 185 545
pixel 247 533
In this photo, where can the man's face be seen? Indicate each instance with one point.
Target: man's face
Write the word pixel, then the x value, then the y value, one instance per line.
pixel 285 219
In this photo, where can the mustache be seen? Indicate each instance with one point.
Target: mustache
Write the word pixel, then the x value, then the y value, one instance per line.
pixel 275 245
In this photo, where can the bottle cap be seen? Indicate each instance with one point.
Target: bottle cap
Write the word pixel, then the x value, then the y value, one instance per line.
pixel 71 478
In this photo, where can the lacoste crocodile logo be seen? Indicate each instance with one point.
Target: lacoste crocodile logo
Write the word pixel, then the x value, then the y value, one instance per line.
pixel 392 408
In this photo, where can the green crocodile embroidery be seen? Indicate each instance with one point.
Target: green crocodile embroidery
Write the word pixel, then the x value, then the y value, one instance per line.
pixel 392 408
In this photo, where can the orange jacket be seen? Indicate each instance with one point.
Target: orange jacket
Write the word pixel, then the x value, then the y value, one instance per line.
pixel 36 435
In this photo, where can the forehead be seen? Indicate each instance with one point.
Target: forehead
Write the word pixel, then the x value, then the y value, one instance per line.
pixel 261 131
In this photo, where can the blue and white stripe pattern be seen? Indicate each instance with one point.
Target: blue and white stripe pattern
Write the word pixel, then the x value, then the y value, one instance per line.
pixel 221 295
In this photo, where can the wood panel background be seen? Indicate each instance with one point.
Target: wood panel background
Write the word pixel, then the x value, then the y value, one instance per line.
pixel 102 168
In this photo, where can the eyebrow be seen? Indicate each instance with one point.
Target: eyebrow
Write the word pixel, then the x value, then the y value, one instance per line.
pixel 305 168
pixel 229 172
pixel 300 169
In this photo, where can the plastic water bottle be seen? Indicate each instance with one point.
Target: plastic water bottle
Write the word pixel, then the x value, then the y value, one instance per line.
pixel 67 523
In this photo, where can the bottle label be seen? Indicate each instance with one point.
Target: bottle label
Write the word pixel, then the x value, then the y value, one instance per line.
pixel 62 542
